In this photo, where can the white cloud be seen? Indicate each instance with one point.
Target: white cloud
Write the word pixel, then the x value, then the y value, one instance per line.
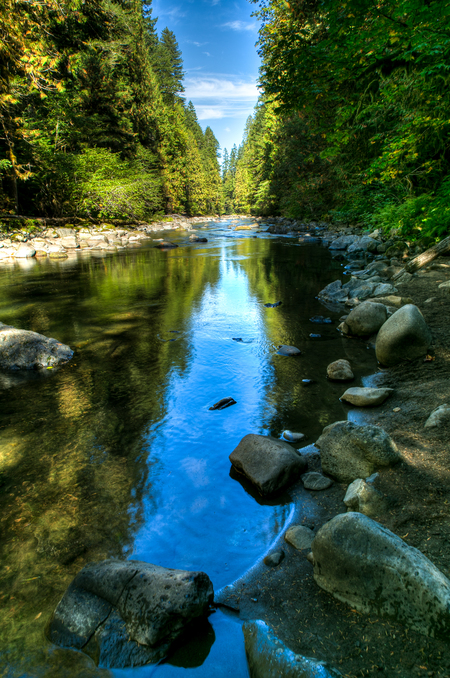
pixel 207 54
pixel 197 44
pixel 221 96
pixel 241 25
pixel 227 129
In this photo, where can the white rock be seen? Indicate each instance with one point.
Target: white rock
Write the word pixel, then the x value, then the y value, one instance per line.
pixel 366 396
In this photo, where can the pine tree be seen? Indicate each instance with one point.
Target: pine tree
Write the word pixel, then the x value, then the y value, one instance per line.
pixel 168 66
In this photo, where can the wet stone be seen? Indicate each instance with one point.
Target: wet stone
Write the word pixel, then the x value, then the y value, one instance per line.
pixel 274 558
pixel 299 536
pixel 288 350
pixel 316 481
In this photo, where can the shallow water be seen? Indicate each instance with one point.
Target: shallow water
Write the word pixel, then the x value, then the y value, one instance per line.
pixel 117 453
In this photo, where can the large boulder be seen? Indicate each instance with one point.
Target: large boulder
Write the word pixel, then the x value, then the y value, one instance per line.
pixel 404 336
pixel 25 350
pixel 364 396
pixel 365 319
pixel 349 451
pixel 268 657
pixel 363 243
pixel 365 565
pixel 267 462
pixel 343 242
pixel 128 612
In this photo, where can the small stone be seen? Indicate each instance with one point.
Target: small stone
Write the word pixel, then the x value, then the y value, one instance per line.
pixel 396 409
pixel 299 537
pixel 292 437
pixel 310 557
pixel 340 370
pixel 288 350
pixel 315 336
pixel 274 559
pixel 438 417
pixel 366 397
pixel 166 244
pixel 315 481
pixel 363 497
pixel 445 286
pixel 307 382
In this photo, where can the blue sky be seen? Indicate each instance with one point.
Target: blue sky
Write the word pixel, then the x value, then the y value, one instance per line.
pixel 217 39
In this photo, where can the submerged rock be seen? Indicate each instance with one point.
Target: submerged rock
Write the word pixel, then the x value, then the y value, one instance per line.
pixel 340 370
pixel 128 612
pixel 269 464
pixel 366 396
pixel 166 244
pixel 404 336
pixel 277 303
pixel 25 350
pixel 363 564
pixel 288 350
pixel 349 451
pixel 222 404
pixel 268 657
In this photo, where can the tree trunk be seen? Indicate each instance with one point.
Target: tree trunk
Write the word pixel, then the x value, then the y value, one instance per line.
pixel 424 258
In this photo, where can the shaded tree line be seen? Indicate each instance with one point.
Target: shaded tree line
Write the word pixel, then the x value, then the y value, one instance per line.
pixel 92 118
pixel 353 121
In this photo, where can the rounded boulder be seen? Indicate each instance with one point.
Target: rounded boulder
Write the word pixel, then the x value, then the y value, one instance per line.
pixel 404 336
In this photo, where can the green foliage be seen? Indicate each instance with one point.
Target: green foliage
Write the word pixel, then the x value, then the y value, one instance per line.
pixel 92 121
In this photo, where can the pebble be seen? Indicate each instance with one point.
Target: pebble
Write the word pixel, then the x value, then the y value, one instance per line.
pixel 274 558
pixel 292 437
pixel 299 537
pixel 288 350
pixel 396 409
pixel 315 481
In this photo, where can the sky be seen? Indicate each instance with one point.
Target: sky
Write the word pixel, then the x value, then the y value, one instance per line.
pixel 217 40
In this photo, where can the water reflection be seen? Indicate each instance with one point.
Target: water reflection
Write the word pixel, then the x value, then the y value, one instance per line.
pixel 117 453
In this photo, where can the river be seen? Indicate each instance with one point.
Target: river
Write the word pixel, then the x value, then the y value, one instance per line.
pixel 116 454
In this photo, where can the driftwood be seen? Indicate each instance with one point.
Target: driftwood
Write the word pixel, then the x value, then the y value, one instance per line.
pixel 424 258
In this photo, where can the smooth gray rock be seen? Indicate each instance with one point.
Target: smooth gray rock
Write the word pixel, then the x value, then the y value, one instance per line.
pixel 24 350
pixel 299 536
pixel 366 396
pixel 316 481
pixel 383 289
pixel 128 611
pixel 365 565
pixel 404 336
pixel 268 657
pixel 366 319
pixel 349 451
pixel 438 416
pixel 362 291
pixel 268 463
pixel 288 350
pixel 293 437
pixel 362 497
pixel 340 370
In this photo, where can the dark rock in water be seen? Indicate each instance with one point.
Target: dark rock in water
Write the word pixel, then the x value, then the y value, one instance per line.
pixel 320 320
pixel 166 244
pixel 24 350
pixel 274 559
pixel 277 303
pixel 315 336
pixel 237 339
pixel 197 238
pixel 268 463
pixel 288 350
pixel 268 657
pixel 128 613
pixel 222 404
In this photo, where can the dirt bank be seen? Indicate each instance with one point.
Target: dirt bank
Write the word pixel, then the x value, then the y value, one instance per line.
pixel 309 620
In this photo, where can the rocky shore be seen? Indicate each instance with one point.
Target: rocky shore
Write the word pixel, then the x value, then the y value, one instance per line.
pixel 362 589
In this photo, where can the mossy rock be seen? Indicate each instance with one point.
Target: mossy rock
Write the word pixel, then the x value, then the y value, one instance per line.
pixel 398 249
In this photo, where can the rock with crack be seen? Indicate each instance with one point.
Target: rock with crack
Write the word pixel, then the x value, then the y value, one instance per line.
pixel 404 336
pixel 365 565
pixel 128 613
pixel 25 350
pixel 349 451
pixel 270 464
pixel 268 657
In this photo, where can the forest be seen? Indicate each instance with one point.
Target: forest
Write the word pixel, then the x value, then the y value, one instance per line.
pixel 353 121
pixel 93 123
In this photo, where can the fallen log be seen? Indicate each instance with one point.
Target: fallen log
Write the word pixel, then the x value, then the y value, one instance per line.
pixel 424 258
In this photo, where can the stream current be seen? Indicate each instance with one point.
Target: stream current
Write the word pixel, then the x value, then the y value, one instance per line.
pixel 116 454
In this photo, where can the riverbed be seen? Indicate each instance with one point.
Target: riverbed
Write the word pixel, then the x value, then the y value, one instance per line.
pixel 117 454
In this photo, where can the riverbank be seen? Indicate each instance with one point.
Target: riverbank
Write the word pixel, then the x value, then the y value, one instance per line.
pixel 309 620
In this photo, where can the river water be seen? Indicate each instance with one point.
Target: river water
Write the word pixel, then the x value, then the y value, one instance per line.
pixel 116 454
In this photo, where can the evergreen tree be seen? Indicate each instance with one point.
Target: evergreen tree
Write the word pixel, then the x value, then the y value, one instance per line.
pixel 168 65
